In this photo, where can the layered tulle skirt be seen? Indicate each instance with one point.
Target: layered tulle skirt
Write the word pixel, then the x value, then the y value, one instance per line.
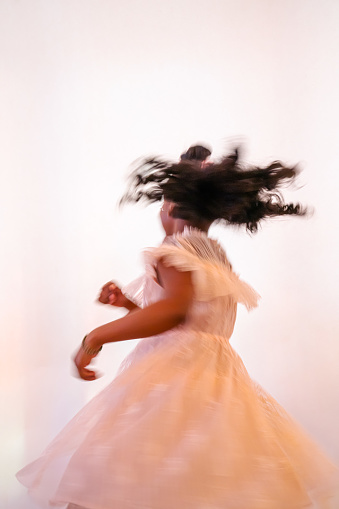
pixel 182 426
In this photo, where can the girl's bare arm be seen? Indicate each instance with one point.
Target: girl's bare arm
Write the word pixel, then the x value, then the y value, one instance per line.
pixel 154 319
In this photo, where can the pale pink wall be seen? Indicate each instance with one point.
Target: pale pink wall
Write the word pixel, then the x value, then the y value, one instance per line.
pixel 89 86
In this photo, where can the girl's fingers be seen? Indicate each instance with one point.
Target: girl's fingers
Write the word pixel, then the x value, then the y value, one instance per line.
pixel 87 374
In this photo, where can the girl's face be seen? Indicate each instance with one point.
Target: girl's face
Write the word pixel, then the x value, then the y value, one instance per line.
pixel 167 220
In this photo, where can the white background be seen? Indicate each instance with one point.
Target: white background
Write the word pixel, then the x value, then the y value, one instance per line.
pixel 89 86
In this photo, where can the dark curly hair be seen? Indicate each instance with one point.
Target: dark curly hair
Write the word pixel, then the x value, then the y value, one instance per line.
pixel 223 191
pixel 196 153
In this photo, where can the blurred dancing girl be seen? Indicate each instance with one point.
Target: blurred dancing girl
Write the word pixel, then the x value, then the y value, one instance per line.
pixel 183 426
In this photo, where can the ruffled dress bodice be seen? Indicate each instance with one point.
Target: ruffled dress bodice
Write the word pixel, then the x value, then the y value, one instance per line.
pixel 217 289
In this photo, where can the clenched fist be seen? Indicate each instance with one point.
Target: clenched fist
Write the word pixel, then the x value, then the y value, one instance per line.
pixel 111 294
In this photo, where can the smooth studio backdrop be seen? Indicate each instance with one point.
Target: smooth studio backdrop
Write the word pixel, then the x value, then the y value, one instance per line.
pixel 89 86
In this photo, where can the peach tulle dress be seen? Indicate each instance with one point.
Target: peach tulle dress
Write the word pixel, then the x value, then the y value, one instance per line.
pixel 183 426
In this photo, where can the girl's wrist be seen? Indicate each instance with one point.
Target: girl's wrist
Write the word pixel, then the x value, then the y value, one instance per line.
pixel 129 305
pixel 92 341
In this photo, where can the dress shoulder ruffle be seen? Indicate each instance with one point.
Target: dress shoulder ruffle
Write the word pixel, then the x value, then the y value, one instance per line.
pixel 212 273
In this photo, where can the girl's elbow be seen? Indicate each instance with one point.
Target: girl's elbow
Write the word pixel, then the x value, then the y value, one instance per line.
pixel 177 310
pixel 181 313
pixel 180 318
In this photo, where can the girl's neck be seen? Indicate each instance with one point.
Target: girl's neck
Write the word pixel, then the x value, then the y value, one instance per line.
pixel 180 224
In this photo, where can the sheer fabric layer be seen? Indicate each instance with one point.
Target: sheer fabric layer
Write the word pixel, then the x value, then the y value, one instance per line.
pixel 183 425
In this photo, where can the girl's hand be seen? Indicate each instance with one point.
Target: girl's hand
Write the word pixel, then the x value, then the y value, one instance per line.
pixel 81 360
pixel 111 294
